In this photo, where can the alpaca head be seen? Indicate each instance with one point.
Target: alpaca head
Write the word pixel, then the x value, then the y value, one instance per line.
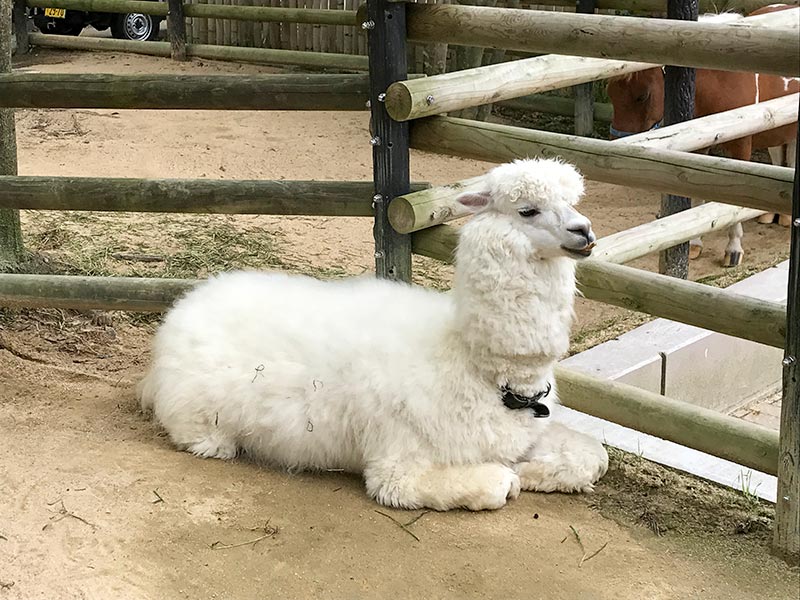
pixel 534 201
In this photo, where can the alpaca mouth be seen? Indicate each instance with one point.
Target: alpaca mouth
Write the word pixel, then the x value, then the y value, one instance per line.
pixel 584 252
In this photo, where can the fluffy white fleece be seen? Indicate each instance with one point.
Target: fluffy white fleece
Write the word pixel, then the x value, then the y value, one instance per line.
pixel 394 381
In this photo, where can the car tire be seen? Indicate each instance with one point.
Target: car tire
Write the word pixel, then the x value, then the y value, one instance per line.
pixel 135 26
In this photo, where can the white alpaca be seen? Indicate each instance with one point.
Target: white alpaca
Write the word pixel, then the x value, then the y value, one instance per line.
pixel 400 383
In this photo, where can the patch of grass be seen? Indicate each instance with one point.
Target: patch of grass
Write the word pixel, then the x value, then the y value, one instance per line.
pixel 664 500
pixel 93 244
pixel 728 277
pixel 749 492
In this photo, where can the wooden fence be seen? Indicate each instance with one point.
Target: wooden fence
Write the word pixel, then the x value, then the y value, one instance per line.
pixel 754 46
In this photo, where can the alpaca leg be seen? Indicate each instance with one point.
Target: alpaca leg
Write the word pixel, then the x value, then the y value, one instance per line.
pixel 199 435
pixel 213 446
pixel 563 460
pixel 734 251
pixel 415 485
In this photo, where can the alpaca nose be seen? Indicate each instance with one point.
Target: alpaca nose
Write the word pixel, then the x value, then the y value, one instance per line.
pixel 584 230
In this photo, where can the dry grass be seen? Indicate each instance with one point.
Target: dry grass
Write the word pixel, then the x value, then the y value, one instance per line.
pixel 187 246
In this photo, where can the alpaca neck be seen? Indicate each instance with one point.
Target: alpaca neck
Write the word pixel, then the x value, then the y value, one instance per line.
pixel 513 310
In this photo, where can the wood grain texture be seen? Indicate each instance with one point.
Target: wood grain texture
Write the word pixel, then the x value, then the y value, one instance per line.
pixel 10 233
pixel 438 205
pixel 168 91
pixel 139 294
pixel 754 185
pixel 787 509
pixel 732 46
pixel 665 232
pixel 176 30
pixel 453 91
pixel 390 142
pixel 283 197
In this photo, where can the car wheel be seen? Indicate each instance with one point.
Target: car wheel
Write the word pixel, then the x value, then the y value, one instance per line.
pixel 135 26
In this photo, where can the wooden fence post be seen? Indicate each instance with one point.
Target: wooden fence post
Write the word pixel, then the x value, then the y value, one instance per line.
pixel 678 107
pixel 10 231
pixel 20 17
pixel 787 509
pixel 176 29
pixel 584 93
pixel 388 62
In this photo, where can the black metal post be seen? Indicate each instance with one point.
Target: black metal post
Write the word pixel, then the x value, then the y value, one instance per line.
pixel 584 93
pixel 787 508
pixel 678 107
pixel 386 24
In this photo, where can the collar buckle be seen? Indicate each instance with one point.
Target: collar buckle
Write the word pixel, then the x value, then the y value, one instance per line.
pixel 516 401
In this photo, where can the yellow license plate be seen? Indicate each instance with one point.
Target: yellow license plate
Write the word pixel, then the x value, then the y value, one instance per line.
pixel 58 13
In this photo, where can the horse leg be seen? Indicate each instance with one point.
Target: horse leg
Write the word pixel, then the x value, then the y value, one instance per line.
pixel 789 156
pixel 740 149
pixel 734 251
pixel 777 154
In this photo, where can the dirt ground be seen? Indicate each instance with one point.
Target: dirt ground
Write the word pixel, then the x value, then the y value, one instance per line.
pixel 95 504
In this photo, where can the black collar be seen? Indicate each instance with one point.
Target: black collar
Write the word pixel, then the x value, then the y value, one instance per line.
pixel 516 402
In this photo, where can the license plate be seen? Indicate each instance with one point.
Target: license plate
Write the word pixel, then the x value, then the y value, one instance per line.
pixel 58 13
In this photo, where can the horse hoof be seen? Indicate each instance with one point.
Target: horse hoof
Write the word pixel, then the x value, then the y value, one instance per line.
pixel 784 220
pixel 766 218
pixel 732 259
pixel 695 252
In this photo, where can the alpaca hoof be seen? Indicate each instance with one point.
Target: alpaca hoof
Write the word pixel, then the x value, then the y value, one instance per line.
pixel 766 218
pixel 502 485
pixel 695 252
pixel 732 259
pixel 784 220
pixel 573 472
pixel 211 448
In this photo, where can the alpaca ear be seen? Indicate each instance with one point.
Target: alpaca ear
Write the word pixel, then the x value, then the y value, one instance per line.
pixel 474 201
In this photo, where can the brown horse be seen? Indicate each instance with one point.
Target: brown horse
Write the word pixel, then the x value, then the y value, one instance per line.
pixel 638 100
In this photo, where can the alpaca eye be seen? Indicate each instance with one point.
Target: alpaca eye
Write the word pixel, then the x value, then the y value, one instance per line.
pixel 528 212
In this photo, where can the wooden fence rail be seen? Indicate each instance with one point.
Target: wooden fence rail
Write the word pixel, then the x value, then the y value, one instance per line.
pixel 753 185
pixel 733 46
pixel 666 232
pixel 138 294
pixel 706 430
pixel 168 91
pixel 473 87
pixel 658 295
pixel 254 55
pixel 212 11
pixel 438 205
pixel 283 197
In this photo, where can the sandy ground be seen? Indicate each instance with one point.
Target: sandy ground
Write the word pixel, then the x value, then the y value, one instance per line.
pixel 95 504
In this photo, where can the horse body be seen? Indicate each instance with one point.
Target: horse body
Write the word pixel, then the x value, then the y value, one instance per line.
pixel 638 100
